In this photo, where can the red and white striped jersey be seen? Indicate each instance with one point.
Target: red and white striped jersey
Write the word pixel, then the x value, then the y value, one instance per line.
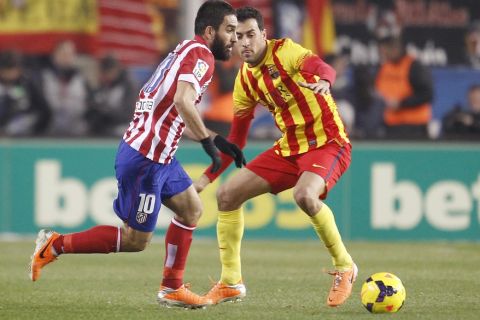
pixel 157 126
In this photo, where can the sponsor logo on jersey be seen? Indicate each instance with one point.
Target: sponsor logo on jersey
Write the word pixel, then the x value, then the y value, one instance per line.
pixel 200 69
pixel 144 105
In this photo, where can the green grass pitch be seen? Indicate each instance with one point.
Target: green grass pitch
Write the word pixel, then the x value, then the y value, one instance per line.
pixel 284 281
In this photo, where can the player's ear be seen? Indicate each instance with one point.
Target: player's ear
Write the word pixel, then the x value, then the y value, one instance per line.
pixel 264 34
pixel 209 33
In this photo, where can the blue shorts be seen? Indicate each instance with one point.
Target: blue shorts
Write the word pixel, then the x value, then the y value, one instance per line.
pixel 143 185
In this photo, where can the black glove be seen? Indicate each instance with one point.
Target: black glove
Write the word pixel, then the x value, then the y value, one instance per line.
pixel 210 149
pixel 230 149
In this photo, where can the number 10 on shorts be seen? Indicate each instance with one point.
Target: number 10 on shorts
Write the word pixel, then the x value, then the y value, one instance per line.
pixel 146 206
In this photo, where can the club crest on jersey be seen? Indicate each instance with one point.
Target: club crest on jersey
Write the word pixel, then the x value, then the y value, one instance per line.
pixel 200 69
pixel 273 71
pixel 141 217
pixel 144 105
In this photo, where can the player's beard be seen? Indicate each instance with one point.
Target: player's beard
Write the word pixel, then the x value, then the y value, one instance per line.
pixel 219 49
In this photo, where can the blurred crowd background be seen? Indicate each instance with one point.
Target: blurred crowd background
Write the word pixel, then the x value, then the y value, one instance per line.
pixel 73 68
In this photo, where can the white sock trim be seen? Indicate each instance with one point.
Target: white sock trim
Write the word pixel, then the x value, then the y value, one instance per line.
pixel 171 255
pixel 178 224
pixel 119 238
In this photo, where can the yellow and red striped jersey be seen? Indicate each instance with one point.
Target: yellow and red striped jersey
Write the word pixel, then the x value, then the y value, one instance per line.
pixel 307 120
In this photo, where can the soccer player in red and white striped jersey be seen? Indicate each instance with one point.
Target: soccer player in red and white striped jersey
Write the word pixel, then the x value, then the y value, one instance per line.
pixel 147 172
pixel 157 124
pixel 311 155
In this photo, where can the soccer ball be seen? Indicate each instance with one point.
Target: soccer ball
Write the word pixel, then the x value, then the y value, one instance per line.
pixel 383 292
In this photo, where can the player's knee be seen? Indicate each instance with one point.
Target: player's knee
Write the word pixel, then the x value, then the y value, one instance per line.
pixel 140 246
pixel 194 212
pixel 194 215
pixel 225 199
pixel 134 245
pixel 306 200
pixel 301 199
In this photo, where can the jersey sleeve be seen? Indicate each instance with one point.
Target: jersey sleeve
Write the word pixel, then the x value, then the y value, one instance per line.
pixel 297 58
pixel 197 68
pixel 293 55
pixel 316 66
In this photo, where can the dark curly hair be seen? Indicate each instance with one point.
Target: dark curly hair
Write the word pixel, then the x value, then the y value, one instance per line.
pixel 246 13
pixel 212 13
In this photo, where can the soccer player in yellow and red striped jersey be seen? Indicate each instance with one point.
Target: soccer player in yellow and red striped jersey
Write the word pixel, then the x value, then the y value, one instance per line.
pixel 311 155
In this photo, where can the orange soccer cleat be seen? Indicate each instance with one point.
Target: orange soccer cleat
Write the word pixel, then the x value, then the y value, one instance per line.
pixel 43 254
pixel 221 292
pixel 342 286
pixel 181 297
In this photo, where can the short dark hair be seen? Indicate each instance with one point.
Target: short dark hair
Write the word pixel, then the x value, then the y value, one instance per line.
pixel 212 13
pixel 246 13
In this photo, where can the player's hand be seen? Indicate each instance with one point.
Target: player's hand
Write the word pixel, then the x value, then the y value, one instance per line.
pixel 230 149
pixel 322 86
pixel 201 183
pixel 212 152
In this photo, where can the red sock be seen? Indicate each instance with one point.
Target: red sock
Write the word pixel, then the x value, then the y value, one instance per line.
pixel 177 245
pixel 99 239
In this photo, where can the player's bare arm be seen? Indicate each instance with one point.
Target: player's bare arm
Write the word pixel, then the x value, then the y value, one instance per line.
pixel 184 101
pixel 191 135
